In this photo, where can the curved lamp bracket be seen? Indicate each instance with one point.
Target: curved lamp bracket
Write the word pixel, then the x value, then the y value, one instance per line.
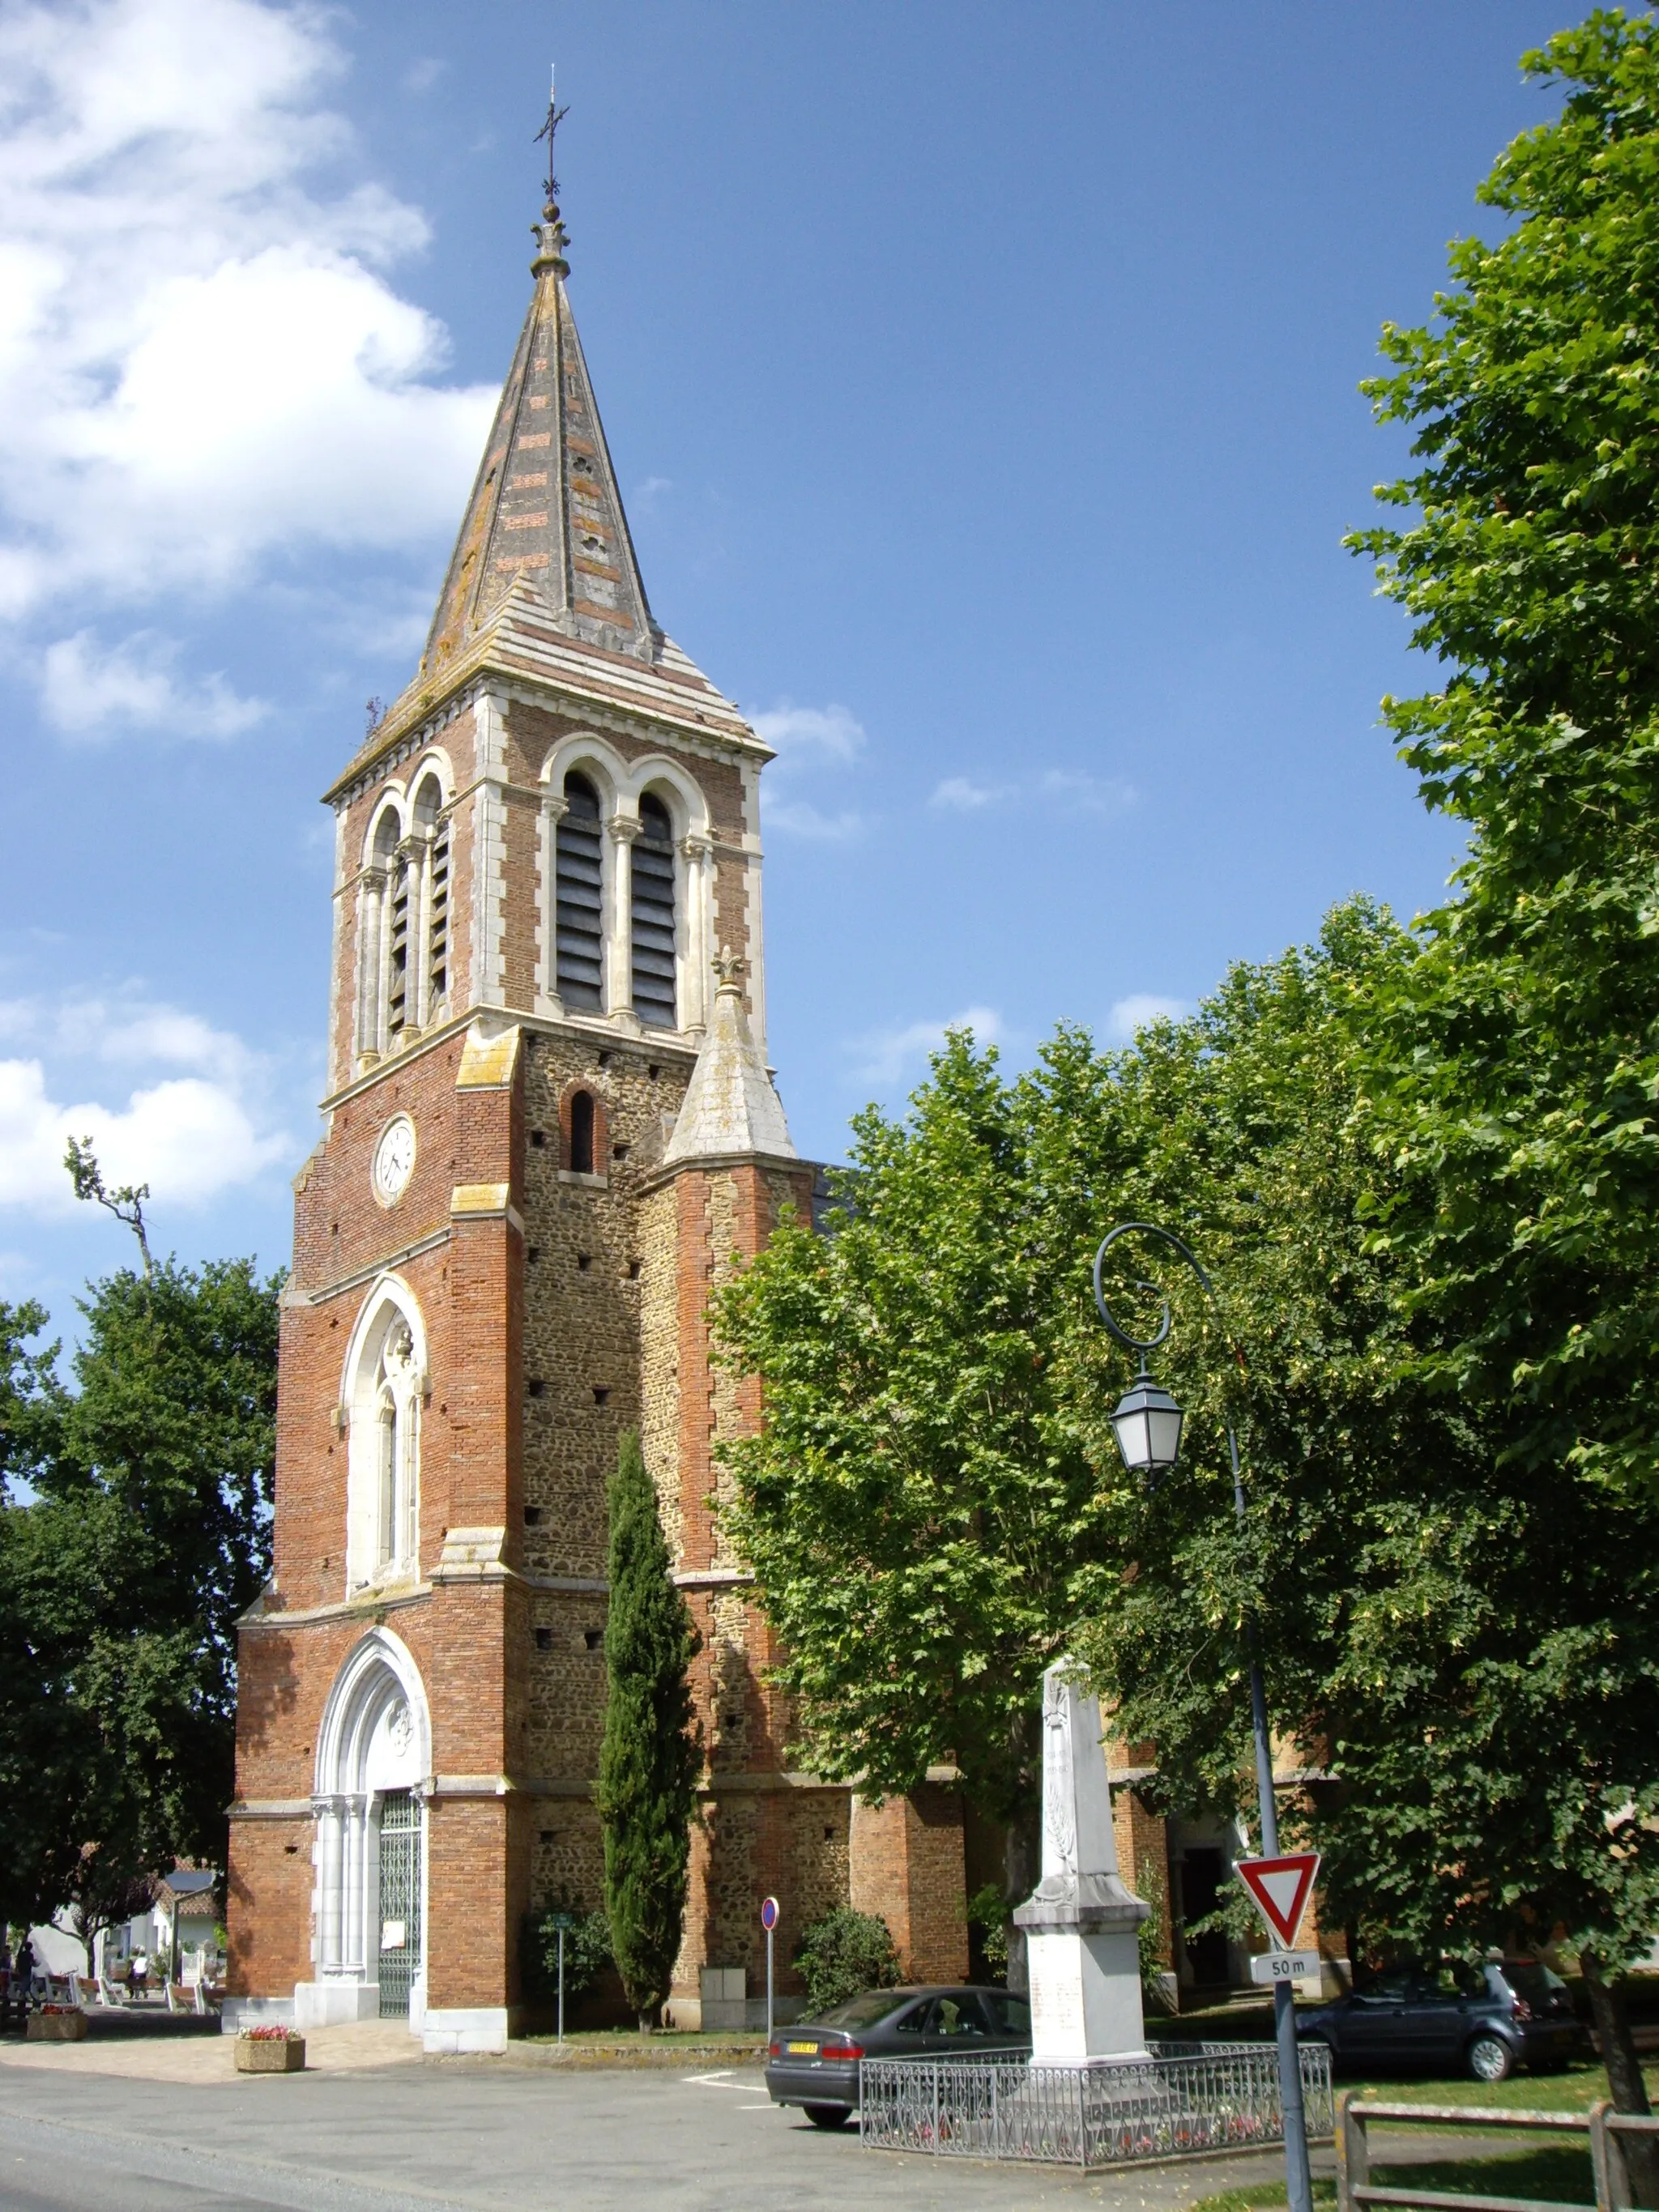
pixel 1142 1346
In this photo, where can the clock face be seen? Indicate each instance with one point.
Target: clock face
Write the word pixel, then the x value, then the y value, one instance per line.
pixel 394 1158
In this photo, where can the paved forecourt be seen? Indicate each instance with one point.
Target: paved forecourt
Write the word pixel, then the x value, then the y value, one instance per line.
pixel 472 2135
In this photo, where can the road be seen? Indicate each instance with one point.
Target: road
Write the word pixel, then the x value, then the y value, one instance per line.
pixel 475 2137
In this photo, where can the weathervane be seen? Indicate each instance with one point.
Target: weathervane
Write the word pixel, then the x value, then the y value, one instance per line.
pixel 556 115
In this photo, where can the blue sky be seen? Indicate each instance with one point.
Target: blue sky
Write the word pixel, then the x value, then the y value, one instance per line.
pixel 981 383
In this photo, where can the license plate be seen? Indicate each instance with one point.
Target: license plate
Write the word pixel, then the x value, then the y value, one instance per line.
pixel 806 2050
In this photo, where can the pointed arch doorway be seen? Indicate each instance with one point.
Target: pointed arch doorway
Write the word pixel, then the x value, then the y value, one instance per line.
pixel 373 1775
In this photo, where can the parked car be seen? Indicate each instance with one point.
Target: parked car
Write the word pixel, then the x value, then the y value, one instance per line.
pixel 815 2062
pixel 1455 2016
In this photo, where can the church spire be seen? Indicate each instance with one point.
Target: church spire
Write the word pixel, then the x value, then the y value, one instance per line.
pixel 545 512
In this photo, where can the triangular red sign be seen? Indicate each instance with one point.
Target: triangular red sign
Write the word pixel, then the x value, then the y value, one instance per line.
pixel 1280 1889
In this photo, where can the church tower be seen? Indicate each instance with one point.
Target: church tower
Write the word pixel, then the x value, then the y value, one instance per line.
pixel 550 1132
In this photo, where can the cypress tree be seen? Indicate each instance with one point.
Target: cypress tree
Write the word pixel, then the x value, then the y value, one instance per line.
pixel 651 1757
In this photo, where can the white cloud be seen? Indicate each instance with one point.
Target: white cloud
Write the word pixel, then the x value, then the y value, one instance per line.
pixel 803 734
pixel 960 796
pixel 1093 794
pixel 885 1055
pixel 91 693
pixel 1089 794
pixel 810 741
pixel 202 362
pixel 1138 1010
pixel 802 819
pixel 202 1126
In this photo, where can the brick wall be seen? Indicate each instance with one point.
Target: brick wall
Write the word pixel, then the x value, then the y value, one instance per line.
pixel 905 1865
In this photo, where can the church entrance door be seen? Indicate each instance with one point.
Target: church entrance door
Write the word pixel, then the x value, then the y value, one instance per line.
pixel 400 1900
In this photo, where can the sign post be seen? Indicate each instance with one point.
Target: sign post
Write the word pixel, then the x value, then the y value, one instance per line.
pixel 768 1922
pixel 561 1921
pixel 1279 1886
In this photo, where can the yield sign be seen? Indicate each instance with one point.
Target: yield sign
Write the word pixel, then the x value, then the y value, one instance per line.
pixel 1280 1889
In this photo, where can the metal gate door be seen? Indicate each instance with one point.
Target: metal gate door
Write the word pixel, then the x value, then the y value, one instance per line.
pixel 400 1900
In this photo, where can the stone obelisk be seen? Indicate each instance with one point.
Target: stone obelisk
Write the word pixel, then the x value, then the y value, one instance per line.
pixel 1080 1922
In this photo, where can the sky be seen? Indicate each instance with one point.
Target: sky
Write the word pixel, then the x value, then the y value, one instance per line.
pixel 982 381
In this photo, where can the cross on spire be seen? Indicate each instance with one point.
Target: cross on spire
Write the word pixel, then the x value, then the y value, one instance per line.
pixel 556 115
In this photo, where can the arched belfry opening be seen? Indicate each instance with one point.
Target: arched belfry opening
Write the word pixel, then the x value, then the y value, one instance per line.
pixel 372 1776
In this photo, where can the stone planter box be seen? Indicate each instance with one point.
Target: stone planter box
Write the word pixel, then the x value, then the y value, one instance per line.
pixel 270 2054
pixel 57 2027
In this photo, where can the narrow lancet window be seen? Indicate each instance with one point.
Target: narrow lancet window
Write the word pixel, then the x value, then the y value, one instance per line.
pixel 581 1133
pixel 384 1479
pixel 581 898
pixel 653 932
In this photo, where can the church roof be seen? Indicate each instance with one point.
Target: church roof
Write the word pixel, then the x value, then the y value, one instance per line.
pixel 731 1108
pixel 544 576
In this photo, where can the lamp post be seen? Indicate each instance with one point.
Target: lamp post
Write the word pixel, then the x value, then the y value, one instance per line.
pixel 1146 1422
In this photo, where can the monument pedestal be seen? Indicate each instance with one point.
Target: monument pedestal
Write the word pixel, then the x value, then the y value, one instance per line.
pixel 1081 1924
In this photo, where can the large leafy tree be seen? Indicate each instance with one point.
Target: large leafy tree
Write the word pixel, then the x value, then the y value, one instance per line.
pixel 140 1533
pixel 650 1758
pixel 934 1509
pixel 1523 1054
pixel 1465 1650
pixel 919 1498
pixel 1518 1064
pixel 1466 1644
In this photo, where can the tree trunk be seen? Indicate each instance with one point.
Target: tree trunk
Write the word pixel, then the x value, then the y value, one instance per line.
pixel 1021 1864
pixel 1022 1850
pixel 1629 2091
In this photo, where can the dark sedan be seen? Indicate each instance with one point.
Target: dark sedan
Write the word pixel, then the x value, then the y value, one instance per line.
pixel 1452 2018
pixel 815 2062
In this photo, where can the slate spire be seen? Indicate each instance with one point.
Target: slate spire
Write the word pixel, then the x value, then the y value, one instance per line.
pixel 545 512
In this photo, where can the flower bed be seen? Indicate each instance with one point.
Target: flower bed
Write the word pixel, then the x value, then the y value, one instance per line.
pixel 270 2048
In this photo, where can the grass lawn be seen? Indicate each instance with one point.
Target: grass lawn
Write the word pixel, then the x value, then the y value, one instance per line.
pixel 1575 2091
pixel 1556 2171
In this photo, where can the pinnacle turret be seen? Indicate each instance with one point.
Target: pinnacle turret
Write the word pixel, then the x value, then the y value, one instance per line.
pixel 731 1108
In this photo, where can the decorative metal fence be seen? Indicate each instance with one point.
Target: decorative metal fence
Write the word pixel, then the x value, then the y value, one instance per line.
pixel 1180 2102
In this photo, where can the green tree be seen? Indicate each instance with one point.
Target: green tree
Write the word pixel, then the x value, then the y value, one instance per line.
pixel 918 1499
pixel 651 1758
pixel 1519 1064
pixel 1523 1053
pixel 587 1949
pixel 1466 1644
pixel 842 1953
pixel 143 1533
pixel 1467 1655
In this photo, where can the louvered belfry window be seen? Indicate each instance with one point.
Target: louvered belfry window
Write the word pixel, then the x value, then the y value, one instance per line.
pixel 438 969
pixel 581 898
pixel 653 930
pixel 398 1009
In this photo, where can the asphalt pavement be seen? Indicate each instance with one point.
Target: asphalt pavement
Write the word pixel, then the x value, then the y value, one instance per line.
pixel 473 2137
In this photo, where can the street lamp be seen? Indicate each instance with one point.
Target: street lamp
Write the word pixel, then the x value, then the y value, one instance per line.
pixel 1146 1423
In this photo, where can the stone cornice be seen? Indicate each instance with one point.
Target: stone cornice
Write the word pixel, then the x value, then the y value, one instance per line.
pixel 655 1044
pixel 407 728
pixel 364 1606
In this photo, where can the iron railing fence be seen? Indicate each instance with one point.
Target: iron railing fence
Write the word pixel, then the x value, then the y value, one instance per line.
pixel 1182 2101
